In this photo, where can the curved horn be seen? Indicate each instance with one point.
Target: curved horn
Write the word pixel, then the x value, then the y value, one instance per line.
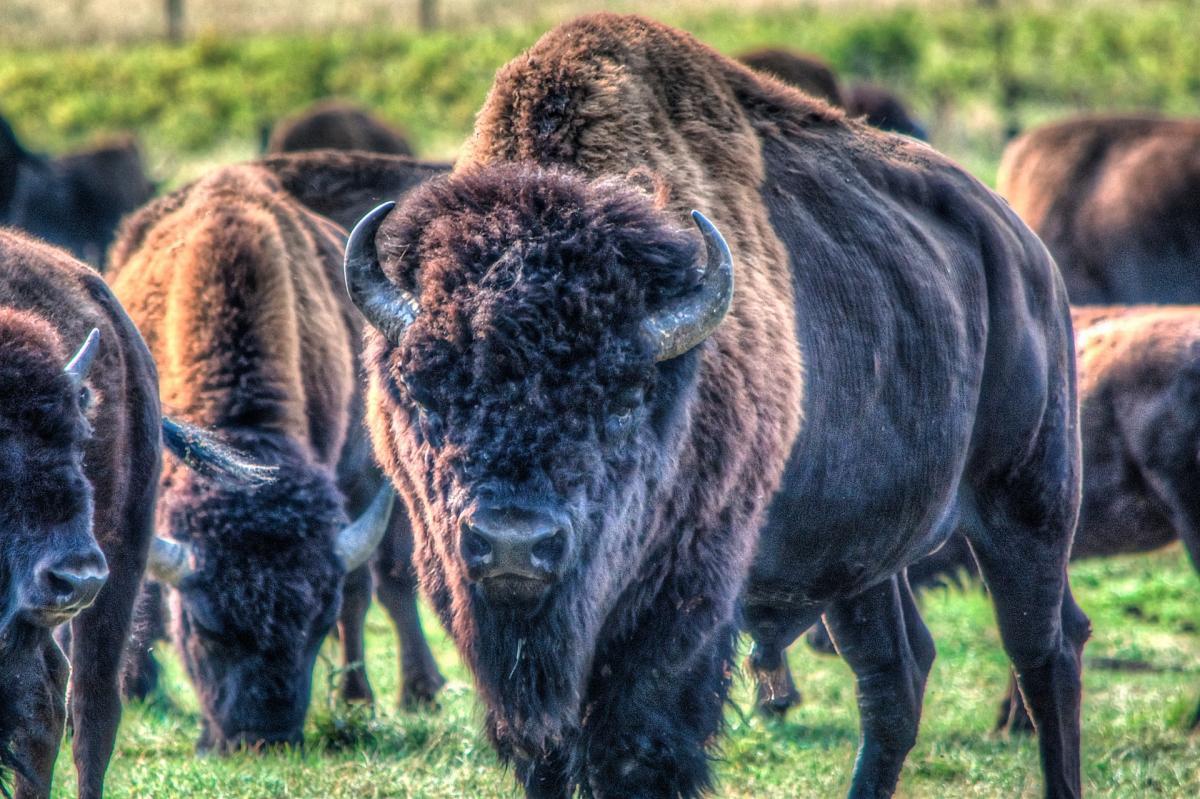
pixel 389 308
pixel 169 561
pixel 355 543
pixel 676 329
pixel 79 364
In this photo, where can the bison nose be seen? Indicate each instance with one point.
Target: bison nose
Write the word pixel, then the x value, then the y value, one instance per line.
pixel 70 584
pixel 515 543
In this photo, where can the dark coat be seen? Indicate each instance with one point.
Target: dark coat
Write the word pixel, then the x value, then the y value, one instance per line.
pixel 80 466
pixel 337 125
pixel 897 339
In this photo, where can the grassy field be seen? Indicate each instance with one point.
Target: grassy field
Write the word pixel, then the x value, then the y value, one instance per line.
pixel 1142 683
pixel 206 101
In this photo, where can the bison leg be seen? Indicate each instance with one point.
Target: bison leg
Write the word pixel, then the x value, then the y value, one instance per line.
pixel 356 599
pixel 1013 718
pixel 650 726
pixel 1042 628
pixel 139 675
pixel 882 638
pixel 396 587
pixel 97 642
pixel 36 746
pixel 773 629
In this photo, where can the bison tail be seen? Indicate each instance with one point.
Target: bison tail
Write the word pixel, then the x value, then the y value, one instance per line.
pixel 207 455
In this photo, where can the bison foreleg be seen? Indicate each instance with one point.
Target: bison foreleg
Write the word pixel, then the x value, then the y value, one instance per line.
pixel 881 636
pixel 652 721
pixel 356 598
pixel 36 746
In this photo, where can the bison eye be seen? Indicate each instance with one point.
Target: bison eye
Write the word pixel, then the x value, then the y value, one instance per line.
pixel 432 428
pixel 623 412
pixel 85 397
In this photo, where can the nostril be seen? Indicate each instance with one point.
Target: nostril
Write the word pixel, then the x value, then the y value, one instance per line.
pixel 476 548
pixel 61 584
pixel 548 552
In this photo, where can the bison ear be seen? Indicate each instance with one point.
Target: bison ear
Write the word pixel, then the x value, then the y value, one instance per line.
pixel 82 360
pixel 207 455
pixel 389 308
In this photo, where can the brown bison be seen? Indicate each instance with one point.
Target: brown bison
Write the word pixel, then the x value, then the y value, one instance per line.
pixel 587 420
pixel 237 289
pixel 74 201
pixel 79 440
pixel 336 125
pixel 807 73
pixel 1117 202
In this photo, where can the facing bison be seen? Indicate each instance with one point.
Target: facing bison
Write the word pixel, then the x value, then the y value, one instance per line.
pixel 587 433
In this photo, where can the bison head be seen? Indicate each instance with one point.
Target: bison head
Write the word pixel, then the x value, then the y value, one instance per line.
pixel 50 564
pixel 258 570
pixel 528 393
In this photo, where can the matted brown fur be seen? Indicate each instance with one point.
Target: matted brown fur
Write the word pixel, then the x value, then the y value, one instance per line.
pixel 121 461
pixel 1116 199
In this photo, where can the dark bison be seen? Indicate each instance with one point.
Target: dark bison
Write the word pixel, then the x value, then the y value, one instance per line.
pixel 587 421
pixel 80 442
pixel 1117 202
pixel 75 201
pixel 810 74
pixel 336 125
pixel 1139 397
pixel 237 289
pixel 343 186
pixel 882 109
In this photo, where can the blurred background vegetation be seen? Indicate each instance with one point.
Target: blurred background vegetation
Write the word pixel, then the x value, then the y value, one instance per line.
pixel 973 70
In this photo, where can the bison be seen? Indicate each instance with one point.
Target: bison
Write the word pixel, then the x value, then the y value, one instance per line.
pixel 75 201
pixel 588 422
pixel 1116 199
pixel 80 443
pixel 236 288
pixel 882 109
pixel 336 125
pixel 808 73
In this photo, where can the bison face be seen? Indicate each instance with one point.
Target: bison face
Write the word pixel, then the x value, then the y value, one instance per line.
pixel 260 592
pixel 50 564
pixel 527 398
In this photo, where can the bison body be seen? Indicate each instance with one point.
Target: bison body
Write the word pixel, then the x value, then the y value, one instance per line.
pixel 337 125
pixel 882 109
pixel 75 201
pixel 80 466
pixel 1117 202
pixel 237 289
pixel 588 433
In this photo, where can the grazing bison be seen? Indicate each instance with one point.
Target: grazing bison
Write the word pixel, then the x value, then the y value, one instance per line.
pixel 336 125
pixel 80 463
pixel 1117 202
pixel 807 73
pixel 587 420
pixel 882 109
pixel 237 289
pixel 75 201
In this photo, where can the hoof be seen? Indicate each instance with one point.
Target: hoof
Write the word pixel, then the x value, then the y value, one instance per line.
pixel 421 692
pixel 355 688
pixel 776 693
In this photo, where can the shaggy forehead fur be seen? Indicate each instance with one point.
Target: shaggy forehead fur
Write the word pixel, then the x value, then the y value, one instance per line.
pixel 35 393
pixel 253 542
pixel 535 284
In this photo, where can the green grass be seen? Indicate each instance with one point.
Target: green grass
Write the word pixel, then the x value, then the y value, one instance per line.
pixel 1136 708
pixel 205 101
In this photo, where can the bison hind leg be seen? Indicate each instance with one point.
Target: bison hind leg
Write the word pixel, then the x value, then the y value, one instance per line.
pixel 881 636
pixel 1022 550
